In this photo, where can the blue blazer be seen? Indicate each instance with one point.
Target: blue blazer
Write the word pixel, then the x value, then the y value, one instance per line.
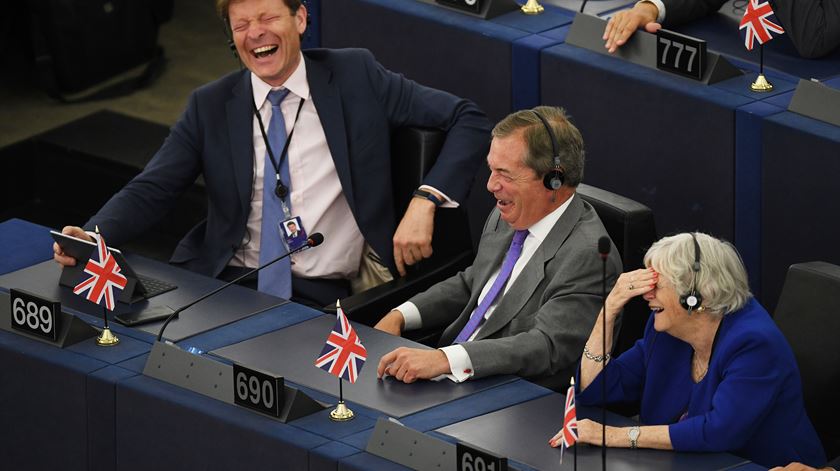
pixel 359 103
pixel 749 403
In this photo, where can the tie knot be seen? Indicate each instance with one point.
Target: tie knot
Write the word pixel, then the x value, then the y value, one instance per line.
pixel 277 96
pixel 519 237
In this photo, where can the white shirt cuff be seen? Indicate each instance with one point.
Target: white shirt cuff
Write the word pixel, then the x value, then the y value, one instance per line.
pixel 411 314
pixel 459 363
pixel 447 201
pixel 659 6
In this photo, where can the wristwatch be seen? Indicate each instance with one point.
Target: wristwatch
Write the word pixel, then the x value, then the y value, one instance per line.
pixel 633 434
pixel 427 195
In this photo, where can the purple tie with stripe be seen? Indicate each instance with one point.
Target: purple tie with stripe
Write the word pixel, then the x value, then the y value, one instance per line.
pixel 507 267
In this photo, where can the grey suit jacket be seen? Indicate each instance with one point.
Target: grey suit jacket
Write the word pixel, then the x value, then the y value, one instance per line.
pixel 540 325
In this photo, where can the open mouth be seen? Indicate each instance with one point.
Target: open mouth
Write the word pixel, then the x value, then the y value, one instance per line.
pixel 656 309
pixel 264 51
pixel 504 203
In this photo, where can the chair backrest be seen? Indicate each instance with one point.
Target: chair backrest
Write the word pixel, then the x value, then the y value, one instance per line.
pixel 631 227
pixel 415 151
pixel 808 314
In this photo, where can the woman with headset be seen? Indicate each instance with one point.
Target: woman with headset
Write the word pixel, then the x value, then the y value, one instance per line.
pixel 712 372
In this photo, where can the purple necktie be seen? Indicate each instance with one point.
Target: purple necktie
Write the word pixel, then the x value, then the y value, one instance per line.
pixel 507 267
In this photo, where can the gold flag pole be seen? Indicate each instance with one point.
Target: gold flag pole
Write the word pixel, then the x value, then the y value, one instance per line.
pixel 532 7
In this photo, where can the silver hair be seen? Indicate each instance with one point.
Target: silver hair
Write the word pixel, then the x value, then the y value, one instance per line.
pixel 722 279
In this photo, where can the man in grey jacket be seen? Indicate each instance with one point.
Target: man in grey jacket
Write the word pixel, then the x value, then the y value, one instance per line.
pixel 530 298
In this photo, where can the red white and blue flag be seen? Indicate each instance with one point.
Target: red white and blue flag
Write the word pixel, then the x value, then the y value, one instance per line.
pixel 104 278
pixel 570 434
pixel 343 355
pixel 758 21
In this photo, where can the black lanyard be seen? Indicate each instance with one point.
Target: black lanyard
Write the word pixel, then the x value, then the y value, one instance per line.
pixel 281 190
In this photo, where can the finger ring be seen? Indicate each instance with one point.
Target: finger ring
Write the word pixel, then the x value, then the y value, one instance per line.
pixel 630 288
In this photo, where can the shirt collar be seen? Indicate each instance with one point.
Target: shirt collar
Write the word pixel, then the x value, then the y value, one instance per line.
pixel 541 228
pixel 296 83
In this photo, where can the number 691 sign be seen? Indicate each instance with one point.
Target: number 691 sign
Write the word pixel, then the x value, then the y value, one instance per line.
pixel 34 315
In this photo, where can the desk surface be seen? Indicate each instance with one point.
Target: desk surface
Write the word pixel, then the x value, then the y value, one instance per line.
pixel 521 433
pixel 291 352
pixel 234 304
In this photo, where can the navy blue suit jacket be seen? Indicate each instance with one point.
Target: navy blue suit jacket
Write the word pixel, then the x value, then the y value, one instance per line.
pixel 359 103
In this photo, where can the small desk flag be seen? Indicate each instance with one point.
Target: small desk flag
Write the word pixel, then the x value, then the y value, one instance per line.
pixel 758 23
pixel 343 355
pixel 104 278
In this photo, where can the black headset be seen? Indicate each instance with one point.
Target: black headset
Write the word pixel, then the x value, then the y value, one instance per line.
pixel 552 180
pixel 693 299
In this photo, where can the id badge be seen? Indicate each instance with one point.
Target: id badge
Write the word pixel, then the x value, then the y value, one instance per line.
pixel 293 232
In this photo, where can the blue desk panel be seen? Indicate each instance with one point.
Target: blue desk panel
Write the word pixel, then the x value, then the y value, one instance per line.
pixel 23 244
pixel 440 48
pixel 660 139
pixel 801 200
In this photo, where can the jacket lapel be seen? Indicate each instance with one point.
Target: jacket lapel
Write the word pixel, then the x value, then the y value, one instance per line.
pixel 240 116
pixel 327 100
pixel 534 272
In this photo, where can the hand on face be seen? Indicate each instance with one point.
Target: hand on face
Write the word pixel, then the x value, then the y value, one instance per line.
pixel 629 285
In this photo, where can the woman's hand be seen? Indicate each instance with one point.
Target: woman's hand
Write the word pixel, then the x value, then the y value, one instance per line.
pixel 589 432
pixel 629 285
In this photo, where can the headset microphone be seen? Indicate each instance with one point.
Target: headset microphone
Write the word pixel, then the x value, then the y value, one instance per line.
pixel 692 300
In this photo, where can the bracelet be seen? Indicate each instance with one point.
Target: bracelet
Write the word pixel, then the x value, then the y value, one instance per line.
pixel 595 358
pixel 427 195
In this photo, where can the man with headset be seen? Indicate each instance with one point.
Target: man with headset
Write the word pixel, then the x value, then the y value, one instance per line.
pixel 530 298
pixel 312 128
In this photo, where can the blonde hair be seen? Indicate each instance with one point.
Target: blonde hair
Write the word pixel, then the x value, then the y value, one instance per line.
pixel 721 280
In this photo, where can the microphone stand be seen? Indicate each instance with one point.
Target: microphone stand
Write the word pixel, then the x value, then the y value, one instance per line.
pixel 312 241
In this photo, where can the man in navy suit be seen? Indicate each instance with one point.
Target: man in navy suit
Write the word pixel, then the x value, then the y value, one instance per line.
pixel 339 111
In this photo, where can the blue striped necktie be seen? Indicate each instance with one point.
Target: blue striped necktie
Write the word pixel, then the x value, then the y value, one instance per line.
pixel 277 278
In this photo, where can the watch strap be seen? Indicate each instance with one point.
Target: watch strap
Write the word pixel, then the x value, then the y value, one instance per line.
pixel 427 195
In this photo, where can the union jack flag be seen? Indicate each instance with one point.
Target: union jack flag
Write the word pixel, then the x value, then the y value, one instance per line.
pixel 758 24
pixel 343 355
pixel 104 277
pixel 570 434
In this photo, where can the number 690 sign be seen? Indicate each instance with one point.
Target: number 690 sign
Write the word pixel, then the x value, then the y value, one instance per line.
pixel 256 390
pixel 34 315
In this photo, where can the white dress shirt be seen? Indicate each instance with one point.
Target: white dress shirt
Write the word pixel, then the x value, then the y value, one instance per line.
pixel 316 195
pixel 459 361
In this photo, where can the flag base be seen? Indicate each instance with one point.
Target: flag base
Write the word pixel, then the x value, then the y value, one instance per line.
pixel 761 84
pixel 532 7
pixel 341 413
pixel 107 338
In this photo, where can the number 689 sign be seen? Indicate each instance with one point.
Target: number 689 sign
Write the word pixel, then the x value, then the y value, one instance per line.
pixel 33 315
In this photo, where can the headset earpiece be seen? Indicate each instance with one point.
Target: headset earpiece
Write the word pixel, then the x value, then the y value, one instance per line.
pixel 229 36
pixel 552 180
pixel 693 300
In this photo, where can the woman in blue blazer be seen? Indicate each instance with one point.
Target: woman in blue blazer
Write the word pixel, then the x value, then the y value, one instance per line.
pixel 713 372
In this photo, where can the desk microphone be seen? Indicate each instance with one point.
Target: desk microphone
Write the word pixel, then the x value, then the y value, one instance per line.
pixel 314 240
pixel 582 6
pixel 604 252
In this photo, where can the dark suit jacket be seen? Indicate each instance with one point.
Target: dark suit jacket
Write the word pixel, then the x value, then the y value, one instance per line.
pixel 812 25
pixel 359 103
pixel 540 325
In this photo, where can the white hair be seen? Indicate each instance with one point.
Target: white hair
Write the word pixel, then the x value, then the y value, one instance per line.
pixel 722 279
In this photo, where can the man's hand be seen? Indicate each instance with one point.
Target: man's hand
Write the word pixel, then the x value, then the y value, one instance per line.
pixel 393 323
pixel 798 467
pixel 624 23
pixel 410 364
pixel 413 239
pixel 58 254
